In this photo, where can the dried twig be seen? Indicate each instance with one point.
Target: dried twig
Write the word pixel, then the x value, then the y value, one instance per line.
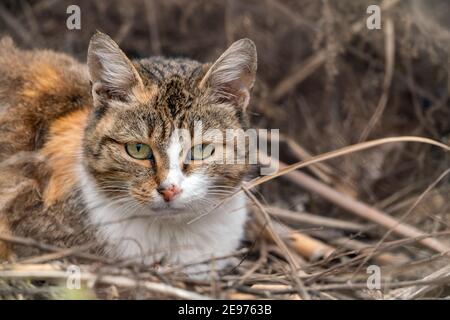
pixel 267 223
pixel 311 219
pixel 264 160
pixel 308 247
pixel 389 72
pixel 314 62
pixel 349 286
pixel 321 170
pixel 392 228
pixel 361 247
pixel 337 153
pixel 152 21
pixel 46 247
pixel 438 277
pixel 22 272
pixel 361 209
pixel 16 25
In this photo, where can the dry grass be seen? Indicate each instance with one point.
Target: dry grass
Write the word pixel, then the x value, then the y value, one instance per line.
pixel 327 82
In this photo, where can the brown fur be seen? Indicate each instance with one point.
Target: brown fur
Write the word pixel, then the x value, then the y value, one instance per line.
pixel 5 251
pixel 43 78
pixel 37 90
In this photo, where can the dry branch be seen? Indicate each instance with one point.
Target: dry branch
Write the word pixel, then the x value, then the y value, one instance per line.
pixel 361 209
pixel 314 62
pixel 268 225
pixel 436 277
pixel 311 219
pixel 52 272
pixel 389 73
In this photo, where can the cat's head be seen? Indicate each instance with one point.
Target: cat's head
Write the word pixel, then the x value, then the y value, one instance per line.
pixel 141 146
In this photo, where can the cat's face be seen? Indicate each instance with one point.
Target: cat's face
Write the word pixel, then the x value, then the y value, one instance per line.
pixel 155 138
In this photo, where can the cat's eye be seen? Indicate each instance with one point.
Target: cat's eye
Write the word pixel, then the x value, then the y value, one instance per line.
pixel 202 151
pixel 140 151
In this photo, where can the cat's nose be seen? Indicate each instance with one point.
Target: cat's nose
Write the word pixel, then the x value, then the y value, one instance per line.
pixel 169 193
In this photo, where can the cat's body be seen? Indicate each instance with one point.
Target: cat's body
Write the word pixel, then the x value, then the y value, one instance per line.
pixel 103 164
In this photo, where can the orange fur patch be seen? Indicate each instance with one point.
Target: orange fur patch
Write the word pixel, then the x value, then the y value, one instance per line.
pixel 62 150
pixel 43 79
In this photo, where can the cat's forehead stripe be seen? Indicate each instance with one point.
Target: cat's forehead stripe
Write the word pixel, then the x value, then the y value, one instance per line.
pixel 160 69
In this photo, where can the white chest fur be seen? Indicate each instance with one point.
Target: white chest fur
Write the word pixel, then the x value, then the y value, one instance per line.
pixel 146 238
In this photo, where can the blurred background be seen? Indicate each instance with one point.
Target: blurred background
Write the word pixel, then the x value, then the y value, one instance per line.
pixel 324 79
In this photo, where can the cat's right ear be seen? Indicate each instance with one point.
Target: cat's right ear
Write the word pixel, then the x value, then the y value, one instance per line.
pixel 232 76
pixel 112 74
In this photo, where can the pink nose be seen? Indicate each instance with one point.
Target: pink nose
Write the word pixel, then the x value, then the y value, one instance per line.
pixel 169 193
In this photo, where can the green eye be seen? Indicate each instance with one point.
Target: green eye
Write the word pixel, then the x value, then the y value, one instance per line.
pixel 202 151
pixel 139 151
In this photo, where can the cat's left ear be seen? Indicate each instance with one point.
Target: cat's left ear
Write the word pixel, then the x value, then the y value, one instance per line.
pixel 232 75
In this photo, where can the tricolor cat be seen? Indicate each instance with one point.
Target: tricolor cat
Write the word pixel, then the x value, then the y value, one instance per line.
pixel 91 154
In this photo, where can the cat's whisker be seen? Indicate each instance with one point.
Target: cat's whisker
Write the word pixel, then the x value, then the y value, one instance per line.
pixel 113 188
pixel 220 188
pixel 219 194
pixel 220 191
pixel 223 186
pixel 223 189
pixel 130 206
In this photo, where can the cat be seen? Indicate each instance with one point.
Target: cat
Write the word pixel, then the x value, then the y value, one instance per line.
pixel 91 154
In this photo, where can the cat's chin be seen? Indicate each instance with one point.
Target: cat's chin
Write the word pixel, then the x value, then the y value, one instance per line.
pixel 169 211
pixel 174 215
pixel 178 210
